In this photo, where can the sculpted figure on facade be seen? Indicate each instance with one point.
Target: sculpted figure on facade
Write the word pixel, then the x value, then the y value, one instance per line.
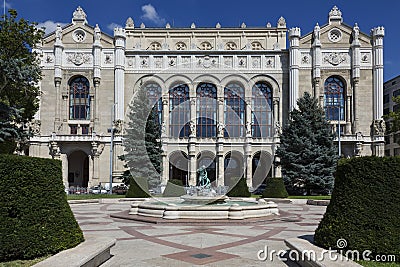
pixel 58 33
pixel 97 33
pixel 221 128
pixel 192 128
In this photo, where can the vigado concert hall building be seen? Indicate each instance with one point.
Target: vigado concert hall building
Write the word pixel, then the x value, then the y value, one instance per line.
pixel 222 94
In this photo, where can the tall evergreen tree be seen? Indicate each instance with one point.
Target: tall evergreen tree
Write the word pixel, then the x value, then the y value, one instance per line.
pixel 142 141
pixel 393 121
pixel 19 74
pixel 307 153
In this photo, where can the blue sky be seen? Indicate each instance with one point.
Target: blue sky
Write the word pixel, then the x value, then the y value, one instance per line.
pixel 207 13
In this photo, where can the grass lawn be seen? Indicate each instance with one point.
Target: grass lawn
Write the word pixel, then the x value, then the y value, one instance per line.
pixel 311 197
pixel 378 264
pixel 93 196
pixel 22 263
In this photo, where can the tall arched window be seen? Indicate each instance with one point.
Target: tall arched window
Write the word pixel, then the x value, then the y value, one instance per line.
pixel 262 110
pixel 206 110
pixel 154 92
pixel 234 109
pixel 179 110
pixel 334 98
pixel 79 99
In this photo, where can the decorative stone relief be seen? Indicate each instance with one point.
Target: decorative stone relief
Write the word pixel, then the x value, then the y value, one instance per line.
pixel 158 62
pixel 172 61
pixel 180 46
pixel 230 46
pixel 79 58
pixel 281 22
pixel 242 62
pixel 130 62
pixel 228 61
pixel 108 59
pixel 256 46
pixel 305 58
pixel 49 58
pixel 256 62
pixel 207 62
pixel 144 62
pixel 35 127
pixel 276 46
pixel 118 126
pixel 378 127
pixel 97 148
pixel 186 62
pixel 269 62
pixel 365 57
pixel 334 58
pixel 154 46
pixel 205 46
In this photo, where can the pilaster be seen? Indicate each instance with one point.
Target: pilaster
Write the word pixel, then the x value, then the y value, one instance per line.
pixel 377 38
pixel 119 72
pixel 294 38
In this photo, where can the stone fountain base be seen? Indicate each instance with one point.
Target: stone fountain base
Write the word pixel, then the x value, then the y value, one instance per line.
pixel 175 209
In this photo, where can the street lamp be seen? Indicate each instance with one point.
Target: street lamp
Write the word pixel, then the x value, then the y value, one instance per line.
pixel 112 130
pixel 340 106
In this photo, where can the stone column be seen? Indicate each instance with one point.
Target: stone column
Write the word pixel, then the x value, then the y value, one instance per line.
pixel 348 115
pixel 58 51
pixel 277 124
pixel 355 65
pixel 119 72
pixel 165 170
pixel 192 141
pixel 294 55
pixel 165 118
pixel 248 122
pixel 249 166
pixel 64 164
pixel 316 60
pixel 377 37
pixel 94 108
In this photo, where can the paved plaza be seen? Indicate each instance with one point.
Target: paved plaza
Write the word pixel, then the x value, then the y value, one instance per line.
pixel 144 244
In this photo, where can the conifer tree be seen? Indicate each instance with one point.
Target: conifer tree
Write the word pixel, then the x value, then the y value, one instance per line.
pixel 142 141
pixel 307 153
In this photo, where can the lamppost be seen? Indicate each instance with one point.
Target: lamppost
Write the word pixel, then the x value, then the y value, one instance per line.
pixel 112 130
pixel 340 106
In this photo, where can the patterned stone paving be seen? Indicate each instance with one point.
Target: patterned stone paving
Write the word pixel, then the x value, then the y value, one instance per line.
pixel 144 244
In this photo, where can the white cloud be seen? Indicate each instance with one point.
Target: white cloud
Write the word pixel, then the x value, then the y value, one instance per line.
pixel 150 13
pixel 50 26
pixel 113 25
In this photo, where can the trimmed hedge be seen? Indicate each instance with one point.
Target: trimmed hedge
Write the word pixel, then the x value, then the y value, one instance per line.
pixel 239 189
pixel 35 218
pixel 275 188
pixel 364 208
pixel 138 187
pixel 174 188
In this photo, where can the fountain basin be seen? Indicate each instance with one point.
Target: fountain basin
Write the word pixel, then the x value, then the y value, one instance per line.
pixel 174 209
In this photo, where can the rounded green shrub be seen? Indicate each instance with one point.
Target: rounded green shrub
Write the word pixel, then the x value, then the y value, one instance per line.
pixel 35 218
pixel 138 187
pixel 174 188
pixel 275 188
pixel 239 189
pixel 364 209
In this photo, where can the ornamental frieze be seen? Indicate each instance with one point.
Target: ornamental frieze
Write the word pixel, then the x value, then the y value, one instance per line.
pixel 78 58
pixel 334 58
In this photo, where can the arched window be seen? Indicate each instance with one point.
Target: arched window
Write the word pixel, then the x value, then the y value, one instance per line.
pixel 262 110
pixel 179 109
pixel 153 91
pixel 79 99
pixel 206 110
pixel 334 98
pixel 234 109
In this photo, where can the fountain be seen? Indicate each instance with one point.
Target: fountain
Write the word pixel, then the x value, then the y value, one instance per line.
pixel 203 202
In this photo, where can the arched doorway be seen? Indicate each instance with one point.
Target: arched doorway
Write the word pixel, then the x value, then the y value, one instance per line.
pixel 207 159
pixel 78 169
pixel 261 166
pixel 178 167
pixel 233 167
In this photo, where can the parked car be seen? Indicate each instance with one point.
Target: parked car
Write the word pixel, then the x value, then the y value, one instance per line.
pixel 97 190
pixel 120 189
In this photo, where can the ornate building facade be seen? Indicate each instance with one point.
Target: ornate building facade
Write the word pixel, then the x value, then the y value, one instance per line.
pixel 222 94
